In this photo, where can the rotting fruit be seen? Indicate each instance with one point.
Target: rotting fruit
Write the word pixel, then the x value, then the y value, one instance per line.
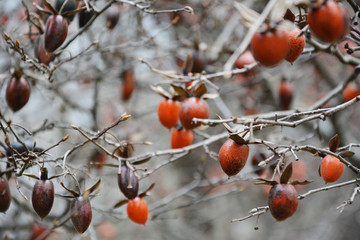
pixel 269 46
pixel 128 182
pixel 17 92
pixel 43 195
pixel 331 168
pixel 81 214
pixel 181 138
pixel 233 157
pixel 327 21
pixel 296 44
pixel 168 112
pixel 56 32
pixel 5 196
pixel 193 107
pixel 283 201
pixel 137 210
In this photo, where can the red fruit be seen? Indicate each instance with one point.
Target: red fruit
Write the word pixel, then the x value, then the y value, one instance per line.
pixel 137 210
pixel 327 21
pixel 350 92
pixel 40 53
pixel 331 168
pixel 270 46
pixel 233 156
pixel 112 16
pixel 43 197
pixel 193 108
pixel 128 182
pixel 36 231
pixel 285 95
pixel 246 59
pixel 128 84
pixel 17 93
pixel 5 196
pixel 55 33
pixel 283 201
pixel 168 112
pixel 181 138
pixel 81 214
pixel 296 45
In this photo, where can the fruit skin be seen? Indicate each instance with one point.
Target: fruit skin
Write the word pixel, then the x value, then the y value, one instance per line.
pixel 40 52
pixel 233 157
pixel 168 112
pixel 129 190
pixel 269 47
pixel 85 16
pixel 55 33
pixel 198 62
pixel 43 197
pixel 350 92
pixel 137 210
pixel 331 168
pixel 246 59
pixel 296 45
pixel 81 214
pixel 69 6
pixel 5 195
pixel 285 95
pixel 181 138
pixel 193 108
pixel 17 93
pixel 283 201
pixel 327 21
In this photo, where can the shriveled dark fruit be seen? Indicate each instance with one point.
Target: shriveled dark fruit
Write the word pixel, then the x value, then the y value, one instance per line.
pixel 283 201
pixel 128 182
pixel 81 214
pixel 40 53
pixel 55 33
pixel 69 6
pixel 85 16
pixel 193 108
pixel 198 62
pixel 17 93
pixel 112 16
pixel 43 197
pixel 233 157
pixel 5 196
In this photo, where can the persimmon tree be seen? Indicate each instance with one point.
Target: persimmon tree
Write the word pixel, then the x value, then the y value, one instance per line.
pixel 196 119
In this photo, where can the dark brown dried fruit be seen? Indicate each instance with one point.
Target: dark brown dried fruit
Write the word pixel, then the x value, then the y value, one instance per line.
pixel 5 196
pixel 81 214
pixel 17 93
pixel 43 197
pixel 128 182
pixel 55 33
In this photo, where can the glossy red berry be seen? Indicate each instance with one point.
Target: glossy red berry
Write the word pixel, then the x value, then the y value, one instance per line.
pixel 168 112
pixel 285 95
pixel 81 214
pixel 43 197
pixel 296 45
pixel 283 201
pixel 17 93
pixel 40 52
pixel 269 47
pixel 181 138
pixel 327 21
pixel 350 91
pixel 5 196
pixel 331 168
pixel 193 108
pixel 233 157
pixel 55 33
pixel 128 182
pixel 137 210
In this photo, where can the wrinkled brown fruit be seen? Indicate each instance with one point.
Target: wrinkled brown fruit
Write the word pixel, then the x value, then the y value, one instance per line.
pixel 5 196
pixel 40 53
pixel 17 93
pixel 128 182
pixel 43 197
pixel 81 214
pixel 283 201
pixel 55 33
